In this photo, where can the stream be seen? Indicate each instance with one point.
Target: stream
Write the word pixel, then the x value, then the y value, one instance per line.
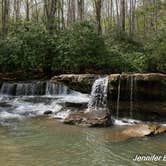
pixel 27 138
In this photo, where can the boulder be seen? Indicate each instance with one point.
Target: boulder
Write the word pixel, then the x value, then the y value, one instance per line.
pixel 89 119
pixel 136 131
pixel 141 130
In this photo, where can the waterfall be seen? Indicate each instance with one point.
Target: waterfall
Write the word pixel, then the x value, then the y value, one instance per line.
pixel 98 100
pixel 131 95
pixel 8 89
pixel 30 89
pixel 56 89
pixel 33 89
pixel 118 98
pixel 130 86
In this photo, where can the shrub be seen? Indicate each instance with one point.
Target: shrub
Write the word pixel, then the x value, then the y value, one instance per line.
pixel 80 48
pixel 156 51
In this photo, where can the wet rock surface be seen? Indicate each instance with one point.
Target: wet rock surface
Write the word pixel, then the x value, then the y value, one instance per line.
pixel 79 82
pixel 136 131
pixel 146 87
pixel 89 119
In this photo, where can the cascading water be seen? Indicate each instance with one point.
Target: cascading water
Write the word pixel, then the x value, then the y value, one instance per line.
pixel 28 99
pixel 131 96
pixel 131 83
pixel 8 88
pixel 59 89
pixel 118 98
pixel 30 89
pixel 98 100
pixel 33 89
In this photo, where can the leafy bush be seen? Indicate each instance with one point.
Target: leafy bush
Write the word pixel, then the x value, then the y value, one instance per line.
pixel 156 51
pixel 80 48
pixel 29 47
pixel 126 55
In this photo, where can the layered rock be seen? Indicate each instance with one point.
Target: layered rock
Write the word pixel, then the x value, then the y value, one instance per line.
pixel 78 82
pixel 149 86
pixel 147 92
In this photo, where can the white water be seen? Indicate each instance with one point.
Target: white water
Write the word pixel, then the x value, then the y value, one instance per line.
pixel 22 100
pixel 98 97
pixel 59 89
pixel 33 89
pixel 125 121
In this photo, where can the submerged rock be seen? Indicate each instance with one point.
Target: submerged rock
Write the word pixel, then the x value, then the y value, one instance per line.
pixel 90 119
pixel 48 112
pixel 136 131
pixel 141 130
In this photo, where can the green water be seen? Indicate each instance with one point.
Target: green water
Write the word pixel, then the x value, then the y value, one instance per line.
pixel 47 142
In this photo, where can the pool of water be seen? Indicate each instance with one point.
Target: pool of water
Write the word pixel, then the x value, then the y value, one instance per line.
pixel 46 142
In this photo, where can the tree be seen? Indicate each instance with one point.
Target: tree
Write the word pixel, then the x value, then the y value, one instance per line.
pixel 80 8
pixel 132 17
pixel 50 8
pixel 123 15
pixel 5 16
pixel 27 10
pixel 16 13
pixel 98 5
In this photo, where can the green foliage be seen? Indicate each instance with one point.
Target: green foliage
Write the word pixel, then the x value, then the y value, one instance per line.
pixel 156 51
pixel 28 47
pixel 79 49
pixel 31 47
pixel 126 54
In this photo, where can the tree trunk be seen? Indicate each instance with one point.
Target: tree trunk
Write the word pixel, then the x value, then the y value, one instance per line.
pixel 123 15
pixel 98 5
pixel 36 11
pixel 5 16
pixel 27 10
pixel 132 17
pixel 50 11
pixel 80 8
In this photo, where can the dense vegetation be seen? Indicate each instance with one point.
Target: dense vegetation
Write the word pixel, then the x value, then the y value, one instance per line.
pixel 80 47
